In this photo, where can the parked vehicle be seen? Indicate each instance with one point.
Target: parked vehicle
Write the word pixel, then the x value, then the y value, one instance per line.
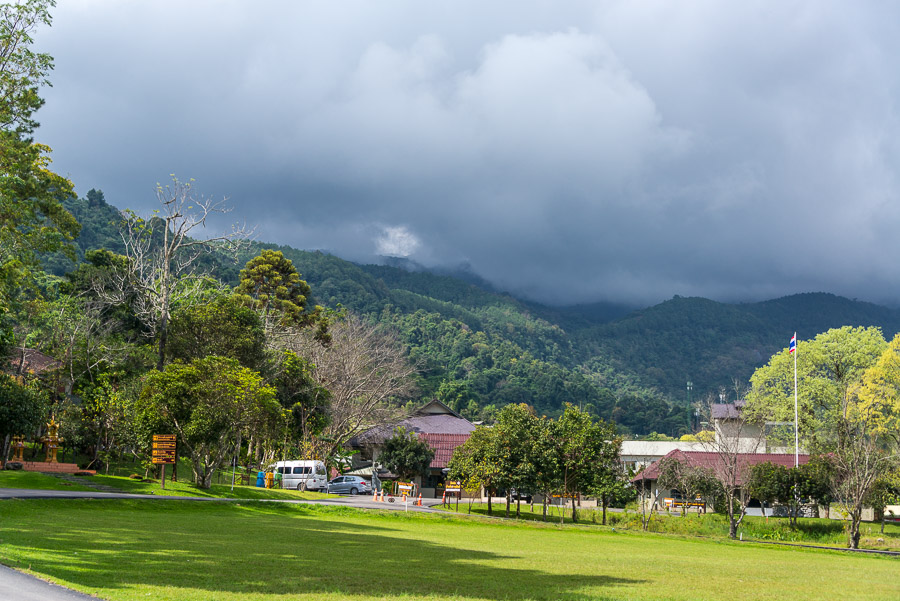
pixel 517 495
pixel 302 474
pixel 349 485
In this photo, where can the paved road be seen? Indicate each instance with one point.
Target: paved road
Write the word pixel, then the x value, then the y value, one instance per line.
pixel 22 587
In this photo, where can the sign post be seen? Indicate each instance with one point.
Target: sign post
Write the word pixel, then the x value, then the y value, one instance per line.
pixel 454 486
pixel 164 453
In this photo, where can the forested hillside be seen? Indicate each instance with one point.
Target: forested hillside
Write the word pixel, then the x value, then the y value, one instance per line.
pixel 478 349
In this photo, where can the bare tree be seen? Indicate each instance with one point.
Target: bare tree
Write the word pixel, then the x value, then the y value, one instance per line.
pixel 736 434
pixel 161 270
pixel 647 499
pixel 366 373
pixel 691 481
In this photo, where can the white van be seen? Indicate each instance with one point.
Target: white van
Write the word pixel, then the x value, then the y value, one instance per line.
pixel 302 474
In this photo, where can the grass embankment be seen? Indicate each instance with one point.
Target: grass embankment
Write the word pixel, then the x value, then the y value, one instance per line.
pixel 809 531
pixel 129 550
pixel 35 480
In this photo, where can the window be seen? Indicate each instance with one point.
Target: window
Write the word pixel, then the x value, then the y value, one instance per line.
pixel 302 470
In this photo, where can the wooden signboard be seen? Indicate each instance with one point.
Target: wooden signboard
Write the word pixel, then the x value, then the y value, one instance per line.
pixel 163 453
pixel 453 486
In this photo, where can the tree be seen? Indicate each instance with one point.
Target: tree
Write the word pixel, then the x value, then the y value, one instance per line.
pixel 690 480
pixel 476 462
pixel 406 455
pixel 612 486
pixel 886 491
pixel 847 396
pixel 766 483
pixel 270 284
pixel 365 373
pixel 21 411
pixel 737 432
pixel 545 462
pixel 207 402
pixel 32 219
pixel 223 327
pixel 514 432
pixel 584 449
pixel 160 273
pixel 306 400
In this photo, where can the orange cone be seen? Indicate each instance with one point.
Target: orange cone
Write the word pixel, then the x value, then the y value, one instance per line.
pixel 419 500
pixel 374 495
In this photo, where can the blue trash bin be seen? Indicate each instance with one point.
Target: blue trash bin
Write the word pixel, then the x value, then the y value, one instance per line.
pixel 261 480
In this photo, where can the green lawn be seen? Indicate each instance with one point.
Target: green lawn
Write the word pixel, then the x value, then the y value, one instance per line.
pixel 129 550
pixel 809 531
pixel 35 480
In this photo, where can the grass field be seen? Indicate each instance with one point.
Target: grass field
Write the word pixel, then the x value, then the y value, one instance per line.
pixel 810 531
pixel 129 550
pixel 34 480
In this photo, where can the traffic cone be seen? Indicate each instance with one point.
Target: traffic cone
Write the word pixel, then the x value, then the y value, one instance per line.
pixel 382 496
pixel 374 495
pixel 419 500
pixel 444 498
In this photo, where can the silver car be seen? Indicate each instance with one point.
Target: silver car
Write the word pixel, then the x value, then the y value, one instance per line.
pixel 349 485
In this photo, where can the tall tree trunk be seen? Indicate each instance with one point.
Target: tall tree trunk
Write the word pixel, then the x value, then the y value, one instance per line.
pixel 853 534
pixel 574 515
pixel 605 500
pixel 518 504
pixel 507 502
pixel 488 490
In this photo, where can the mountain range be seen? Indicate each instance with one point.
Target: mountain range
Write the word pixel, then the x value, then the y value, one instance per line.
pixel 479 348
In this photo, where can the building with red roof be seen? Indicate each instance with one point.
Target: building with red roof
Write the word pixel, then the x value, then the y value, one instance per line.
pixel 714 462
pixel 435 423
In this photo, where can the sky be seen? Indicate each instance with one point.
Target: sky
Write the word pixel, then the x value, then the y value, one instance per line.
pixel 568 152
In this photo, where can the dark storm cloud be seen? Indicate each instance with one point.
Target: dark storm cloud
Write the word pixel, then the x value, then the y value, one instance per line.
pixel 617 150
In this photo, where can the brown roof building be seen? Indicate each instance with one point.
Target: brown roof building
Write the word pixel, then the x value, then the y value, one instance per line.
pixel 437 424
pixel 715 463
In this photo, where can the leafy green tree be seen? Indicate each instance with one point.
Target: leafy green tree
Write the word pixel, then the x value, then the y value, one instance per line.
pixel 846 406
pixel 306 400
pixel 476 463
pixel 271 284
pixel 224 327
pixel 612 487
pixel 514 432
pixel 33 221
pixel 886 491
pixel 545 461
pixel 766 483
pixel 406 455
pixel 584 448
pixel 21 410
pixel 207 402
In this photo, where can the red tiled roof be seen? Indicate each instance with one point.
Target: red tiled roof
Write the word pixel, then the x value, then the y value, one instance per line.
pixel 443 445
pixel 714 462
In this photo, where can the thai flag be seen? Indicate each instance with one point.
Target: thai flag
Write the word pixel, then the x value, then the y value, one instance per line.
pixel 793 346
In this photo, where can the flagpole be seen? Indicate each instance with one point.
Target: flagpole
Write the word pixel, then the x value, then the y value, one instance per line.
pixel 796 417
